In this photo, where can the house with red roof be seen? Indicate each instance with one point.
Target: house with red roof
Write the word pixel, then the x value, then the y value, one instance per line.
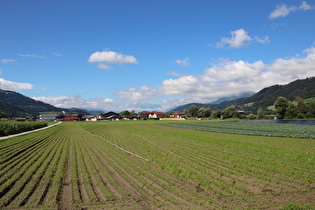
pixel 143 115
pixel 156 115
pixel 177 115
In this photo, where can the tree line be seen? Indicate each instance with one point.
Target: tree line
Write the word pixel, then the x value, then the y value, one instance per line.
pixel 295 109
pixel 282 109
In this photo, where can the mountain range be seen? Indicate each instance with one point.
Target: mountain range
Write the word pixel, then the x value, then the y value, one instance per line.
pixel 302 88
pixel 13 104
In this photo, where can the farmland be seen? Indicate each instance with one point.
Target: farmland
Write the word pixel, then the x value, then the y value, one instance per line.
pixel 145 165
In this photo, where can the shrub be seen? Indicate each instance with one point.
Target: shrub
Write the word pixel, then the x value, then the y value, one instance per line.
pixel 251 117
pixel 9 128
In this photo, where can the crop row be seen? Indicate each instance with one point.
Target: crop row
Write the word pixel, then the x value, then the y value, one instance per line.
pixel 214 164
pixel 144 165
pixel 246 128
pixel 128 177
pixel 32 169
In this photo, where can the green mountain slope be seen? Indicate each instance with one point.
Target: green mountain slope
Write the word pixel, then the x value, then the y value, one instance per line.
pixel 13 104
pixel 303 88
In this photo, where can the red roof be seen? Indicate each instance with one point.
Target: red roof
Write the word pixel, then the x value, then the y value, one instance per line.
pixel 177 113
pixel 144 112
pixel 157 113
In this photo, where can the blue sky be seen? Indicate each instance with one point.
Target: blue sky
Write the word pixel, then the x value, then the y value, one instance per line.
pixel 152 55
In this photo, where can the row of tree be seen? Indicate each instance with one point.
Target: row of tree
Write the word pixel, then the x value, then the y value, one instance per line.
pixel 283 108
pixel 228 112
pixel 296 109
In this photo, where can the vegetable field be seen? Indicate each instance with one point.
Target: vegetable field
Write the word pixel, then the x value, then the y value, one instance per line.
pixel 249 128
pixel 138 165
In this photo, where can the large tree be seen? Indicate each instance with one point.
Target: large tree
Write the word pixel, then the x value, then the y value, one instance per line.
pixel 311 109
pixel 281 106
pixel 124 113
pixel 208 112
pixel 291 111
pixel 193 110
pixel 260 114
pixel 230 112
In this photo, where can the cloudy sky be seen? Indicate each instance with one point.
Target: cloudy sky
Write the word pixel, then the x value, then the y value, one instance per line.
pixel 149 54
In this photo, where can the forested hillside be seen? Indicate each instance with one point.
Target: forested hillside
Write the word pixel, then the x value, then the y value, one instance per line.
pixel 13 104
pixel 304 88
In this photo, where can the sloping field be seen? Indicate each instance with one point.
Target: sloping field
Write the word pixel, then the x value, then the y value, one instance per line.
pixel 136 165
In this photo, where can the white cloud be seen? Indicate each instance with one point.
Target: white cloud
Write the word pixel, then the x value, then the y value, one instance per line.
pixel 233 71
pixel 141 106
pixel 239 39
pixel 78 101
pixel 108 100
pixel 104 66
pixel 264 40
pixel 284 10
pixel 57 54
pixel 9 60
pixel 227 78
pixel 173 74
pixel 100 103
pixel 305 6
pixel 184 62
pixel 133 94
pixel 9 85
pixel 181 86
pixel 31 55
pixel 296 67
pixel 112 57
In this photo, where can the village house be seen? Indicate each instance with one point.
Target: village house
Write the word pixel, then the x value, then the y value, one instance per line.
pixel 156 115
pixel 50 116
pixel 72 117
pixel 131 116
pixel 143 115
pixel 108 116
pixel 177 115
pixel 59 116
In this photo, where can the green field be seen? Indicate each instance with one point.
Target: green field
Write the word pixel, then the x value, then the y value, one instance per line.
pixel 144 165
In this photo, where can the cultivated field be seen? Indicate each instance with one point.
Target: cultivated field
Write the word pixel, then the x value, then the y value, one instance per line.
pixel 142 165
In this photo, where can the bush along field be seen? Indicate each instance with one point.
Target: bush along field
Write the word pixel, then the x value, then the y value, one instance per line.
pixel 9 128
pixel 142 165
